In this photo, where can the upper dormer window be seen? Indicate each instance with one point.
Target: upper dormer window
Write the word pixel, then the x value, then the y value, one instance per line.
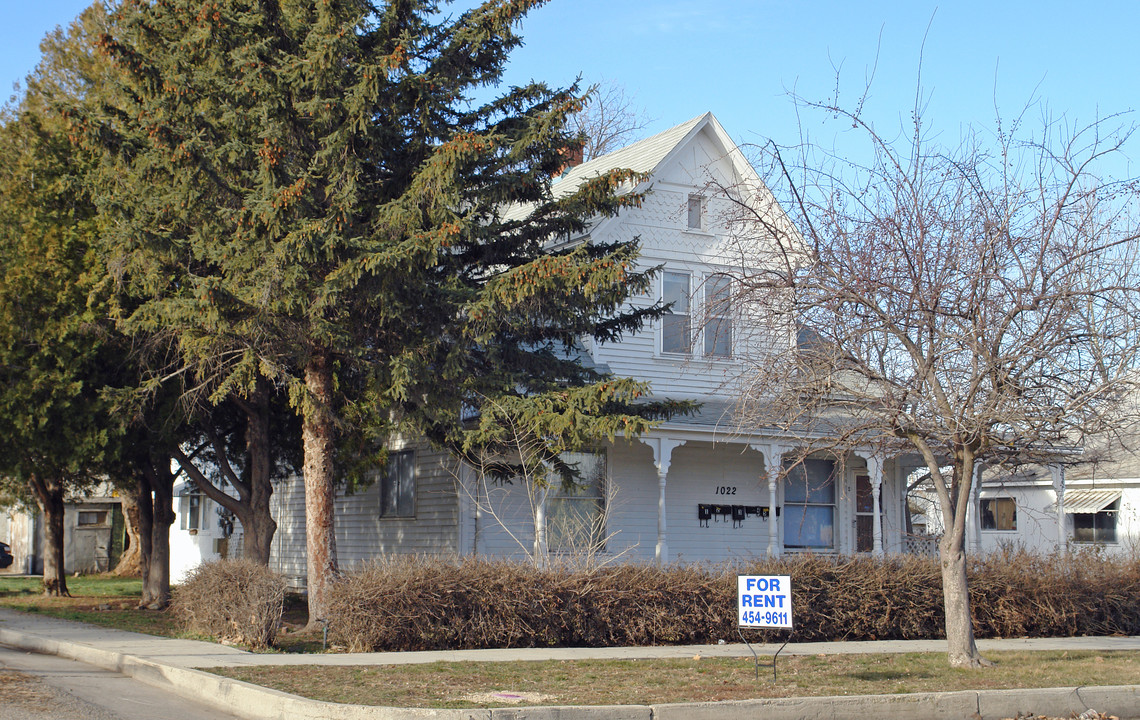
pixel 696 212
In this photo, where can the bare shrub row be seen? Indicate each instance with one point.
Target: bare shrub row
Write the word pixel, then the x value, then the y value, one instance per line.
pixel 427 604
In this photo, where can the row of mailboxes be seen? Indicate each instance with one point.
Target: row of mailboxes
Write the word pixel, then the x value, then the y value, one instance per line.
pixel 721 513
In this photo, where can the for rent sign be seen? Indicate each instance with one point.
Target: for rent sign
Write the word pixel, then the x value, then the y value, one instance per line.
pixel 764 601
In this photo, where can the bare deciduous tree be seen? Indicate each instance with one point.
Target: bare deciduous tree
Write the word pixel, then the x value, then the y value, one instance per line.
pixel 610 120
pixel 965 306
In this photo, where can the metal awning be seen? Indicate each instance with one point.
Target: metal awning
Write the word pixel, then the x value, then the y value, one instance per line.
pixel 1089 501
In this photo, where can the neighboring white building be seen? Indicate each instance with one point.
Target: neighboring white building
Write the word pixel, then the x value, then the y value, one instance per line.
pixel 695 489
pixel 94 534
pixel 1099 508
pixel 202 531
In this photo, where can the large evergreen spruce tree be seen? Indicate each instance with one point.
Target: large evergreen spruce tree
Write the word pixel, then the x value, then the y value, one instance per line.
pixel 308 192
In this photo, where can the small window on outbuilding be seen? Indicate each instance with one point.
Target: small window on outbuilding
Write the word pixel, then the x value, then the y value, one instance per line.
pixel 91 517
pixel 999 514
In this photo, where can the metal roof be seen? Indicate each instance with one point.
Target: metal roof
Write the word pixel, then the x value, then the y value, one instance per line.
pixel 1089 501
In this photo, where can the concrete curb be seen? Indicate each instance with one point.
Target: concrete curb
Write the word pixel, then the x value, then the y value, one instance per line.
pixel 259 703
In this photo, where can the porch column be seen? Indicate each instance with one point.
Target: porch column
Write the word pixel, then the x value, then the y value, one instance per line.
pixel 875 472
pixel 975 507
pixel 773 464
pixel 875 467
pixel 662 457
pixel 1058 473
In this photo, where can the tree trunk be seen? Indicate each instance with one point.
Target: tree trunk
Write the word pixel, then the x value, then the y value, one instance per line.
pixel 257 540
pixel 258 524
pixel 130 562
pixel 156 583
pixel 49 497
pixel 145 502
pixel 318 434
pixel 961 648
pixel 251 506
pixel 953 499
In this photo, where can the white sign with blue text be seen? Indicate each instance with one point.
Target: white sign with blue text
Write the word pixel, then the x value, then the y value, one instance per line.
pixel 764 601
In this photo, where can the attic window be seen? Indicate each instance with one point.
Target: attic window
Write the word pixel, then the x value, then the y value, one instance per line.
pixel 696 206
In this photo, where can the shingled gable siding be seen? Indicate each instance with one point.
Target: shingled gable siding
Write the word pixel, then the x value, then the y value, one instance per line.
pixel 361 534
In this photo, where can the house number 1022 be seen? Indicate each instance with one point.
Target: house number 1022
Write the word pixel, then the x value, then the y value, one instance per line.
pixel 726 490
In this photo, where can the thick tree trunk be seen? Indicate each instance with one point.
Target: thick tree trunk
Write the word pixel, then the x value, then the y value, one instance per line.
pixel 251 506
pixel 130 562
pixel 259 528
pixel 318 434
pixel 145 500
pixel 961 648
pixel 156 584
pixel 258 524
pixel 49 497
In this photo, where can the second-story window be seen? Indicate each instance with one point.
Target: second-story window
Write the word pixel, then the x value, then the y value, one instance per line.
pixel 676 325
pixel 718 316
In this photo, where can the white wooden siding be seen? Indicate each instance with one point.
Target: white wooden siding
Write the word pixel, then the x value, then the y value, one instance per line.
pixel 361 534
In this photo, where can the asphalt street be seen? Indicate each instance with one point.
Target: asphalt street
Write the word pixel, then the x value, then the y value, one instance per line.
pixel 43 687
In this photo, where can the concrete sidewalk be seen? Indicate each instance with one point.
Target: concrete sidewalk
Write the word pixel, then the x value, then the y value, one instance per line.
pixel 173 664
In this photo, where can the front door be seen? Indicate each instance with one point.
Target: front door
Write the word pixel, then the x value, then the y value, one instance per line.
pixel 865 514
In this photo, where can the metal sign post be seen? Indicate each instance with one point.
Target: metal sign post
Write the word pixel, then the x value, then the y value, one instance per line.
pixel 764 601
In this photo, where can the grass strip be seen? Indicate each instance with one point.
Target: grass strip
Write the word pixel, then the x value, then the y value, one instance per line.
pixel 639 682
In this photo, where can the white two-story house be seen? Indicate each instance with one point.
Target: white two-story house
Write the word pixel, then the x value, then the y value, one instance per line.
pixel 699 488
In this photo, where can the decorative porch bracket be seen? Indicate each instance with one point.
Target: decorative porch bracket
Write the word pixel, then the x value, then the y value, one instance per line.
pixel 773 463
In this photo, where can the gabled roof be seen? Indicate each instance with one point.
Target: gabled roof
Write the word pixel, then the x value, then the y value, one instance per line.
pixel 646 156
pixel 643 156
pixel 653 153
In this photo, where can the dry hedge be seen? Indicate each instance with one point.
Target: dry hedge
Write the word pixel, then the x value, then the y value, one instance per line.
pixel 233 600
pixel 431 604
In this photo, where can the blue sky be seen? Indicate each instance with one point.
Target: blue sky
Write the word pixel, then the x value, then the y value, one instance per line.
pixel 738 58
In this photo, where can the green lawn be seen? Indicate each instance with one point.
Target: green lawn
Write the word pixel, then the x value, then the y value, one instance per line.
pixel 97 599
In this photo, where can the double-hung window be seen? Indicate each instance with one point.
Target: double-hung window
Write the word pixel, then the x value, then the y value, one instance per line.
pixel 718 316
pixel 575 513
pixel 809 505
pixel 398 485
pixel 713 334
pixel 676 324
